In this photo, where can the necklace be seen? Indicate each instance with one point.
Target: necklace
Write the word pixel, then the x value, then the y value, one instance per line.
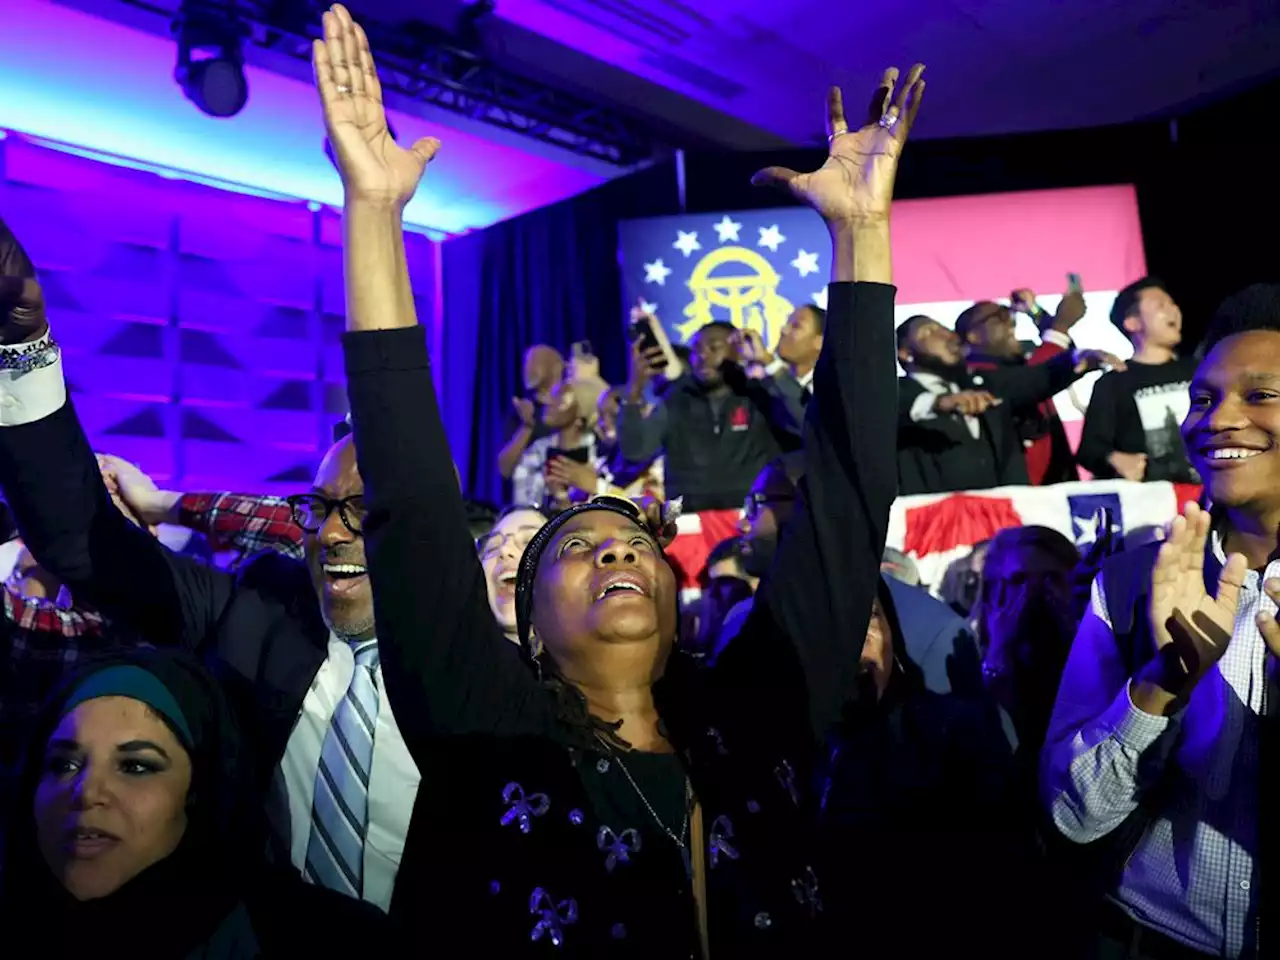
pixel 678 839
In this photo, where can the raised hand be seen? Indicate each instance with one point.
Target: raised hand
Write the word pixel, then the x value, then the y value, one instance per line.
pixel 22 313
pixel 1191 628
pixel 372 166
pixel 856 182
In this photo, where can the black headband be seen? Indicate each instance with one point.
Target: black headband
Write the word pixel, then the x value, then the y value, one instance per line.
pixel 532 555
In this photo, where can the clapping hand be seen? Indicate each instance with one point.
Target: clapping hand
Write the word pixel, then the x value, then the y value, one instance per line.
pixel 1087 360
pixel 1191 627
pixel 572 474
pixel 373 167
pixel 969 403
pixel 855 185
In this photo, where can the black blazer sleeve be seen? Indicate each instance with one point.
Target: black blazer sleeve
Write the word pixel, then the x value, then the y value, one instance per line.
pixel 795 660
pixel 1030 385
pixel 51 479
pixel 447 667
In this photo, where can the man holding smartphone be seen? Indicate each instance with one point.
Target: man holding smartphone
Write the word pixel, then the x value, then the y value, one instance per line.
pixel 988 332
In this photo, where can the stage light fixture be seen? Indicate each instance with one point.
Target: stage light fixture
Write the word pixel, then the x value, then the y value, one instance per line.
pixel 210 66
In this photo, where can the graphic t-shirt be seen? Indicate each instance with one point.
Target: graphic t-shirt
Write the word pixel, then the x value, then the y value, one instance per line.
pixel 1140 410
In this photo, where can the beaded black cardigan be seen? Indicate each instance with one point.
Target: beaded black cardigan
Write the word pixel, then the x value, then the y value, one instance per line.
pixel 526 842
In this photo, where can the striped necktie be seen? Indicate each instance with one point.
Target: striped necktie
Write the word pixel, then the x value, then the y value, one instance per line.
pixel 339 813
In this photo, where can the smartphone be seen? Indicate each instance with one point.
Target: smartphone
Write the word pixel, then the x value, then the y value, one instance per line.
pixel 1073 283
pixel 578 453
pixel 642 330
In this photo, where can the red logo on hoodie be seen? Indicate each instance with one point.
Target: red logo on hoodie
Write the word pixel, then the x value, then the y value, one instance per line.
pixel 739 419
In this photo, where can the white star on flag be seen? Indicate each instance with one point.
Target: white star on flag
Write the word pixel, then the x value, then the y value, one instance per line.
pixel 686 243
pixel 1086 532
pixel 806 263
pixel 657 272
pixel 647 308
pixel 770 237
pixel 727 229
pixel 820 298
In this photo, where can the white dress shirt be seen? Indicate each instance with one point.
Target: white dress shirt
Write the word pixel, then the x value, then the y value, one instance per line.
pixel 393 782
pixel 925 405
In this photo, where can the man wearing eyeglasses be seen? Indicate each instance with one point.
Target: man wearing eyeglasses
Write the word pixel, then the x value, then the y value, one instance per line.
pixel 300 634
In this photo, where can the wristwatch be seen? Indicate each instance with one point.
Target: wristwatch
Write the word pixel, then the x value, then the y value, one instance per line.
pixel 26 357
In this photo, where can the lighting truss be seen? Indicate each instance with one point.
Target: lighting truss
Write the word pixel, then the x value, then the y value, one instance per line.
pixel 424 65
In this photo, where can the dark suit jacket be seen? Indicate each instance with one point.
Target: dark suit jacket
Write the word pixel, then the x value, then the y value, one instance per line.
pixel 263 622
pixel 940 455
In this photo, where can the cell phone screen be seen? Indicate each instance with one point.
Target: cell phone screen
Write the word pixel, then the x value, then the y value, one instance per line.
pixel 577 453
pixel 642 330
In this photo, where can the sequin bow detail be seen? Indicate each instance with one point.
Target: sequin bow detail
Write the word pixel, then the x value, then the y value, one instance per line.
pixel 522 809
pixel 786 775
pixel 805 890
pixel 721 834
pixel 617 847
pixel 552 917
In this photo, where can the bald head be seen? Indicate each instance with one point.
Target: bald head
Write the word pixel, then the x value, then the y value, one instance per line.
pixel 543 368
pixel 338 475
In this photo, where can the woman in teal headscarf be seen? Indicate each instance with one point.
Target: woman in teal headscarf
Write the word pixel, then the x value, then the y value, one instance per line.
pixel 137 826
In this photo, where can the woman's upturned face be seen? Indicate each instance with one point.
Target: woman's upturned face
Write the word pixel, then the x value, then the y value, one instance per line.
pixel 500 552
pixel 602 580
pixel 112 796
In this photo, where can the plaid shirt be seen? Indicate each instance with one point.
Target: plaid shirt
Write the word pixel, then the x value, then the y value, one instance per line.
pixel 245 524
pixel 43 642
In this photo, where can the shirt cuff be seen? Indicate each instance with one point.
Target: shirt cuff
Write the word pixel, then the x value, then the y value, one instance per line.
pixel 924 407
pixel 775 367
pixel 28 396
pixel 1057 338
pixel 1132 727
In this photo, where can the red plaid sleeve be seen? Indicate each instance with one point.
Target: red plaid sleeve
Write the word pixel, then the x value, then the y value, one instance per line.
pixel 246 524
pixel 44 642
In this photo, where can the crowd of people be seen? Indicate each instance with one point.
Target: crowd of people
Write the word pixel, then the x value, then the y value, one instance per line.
pixel 395 721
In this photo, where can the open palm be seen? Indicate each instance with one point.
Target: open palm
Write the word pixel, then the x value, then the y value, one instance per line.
pixel 372 165
pixel 856 181
pixel 1183 614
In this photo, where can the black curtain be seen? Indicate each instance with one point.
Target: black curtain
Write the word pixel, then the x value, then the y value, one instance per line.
pixel 550 277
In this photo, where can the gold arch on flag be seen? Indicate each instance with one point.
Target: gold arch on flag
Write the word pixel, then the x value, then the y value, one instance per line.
pixel 751 297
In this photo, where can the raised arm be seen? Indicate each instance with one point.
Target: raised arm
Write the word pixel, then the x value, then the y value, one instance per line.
pixel 641 433
pixel 798 653
pixel 446 664
pixel 54 485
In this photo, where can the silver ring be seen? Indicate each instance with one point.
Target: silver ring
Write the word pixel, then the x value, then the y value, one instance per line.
pixel 831 137
pixel 343 88
pixel 889 119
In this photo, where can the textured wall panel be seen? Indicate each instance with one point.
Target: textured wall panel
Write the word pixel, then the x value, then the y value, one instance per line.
pixel 201 329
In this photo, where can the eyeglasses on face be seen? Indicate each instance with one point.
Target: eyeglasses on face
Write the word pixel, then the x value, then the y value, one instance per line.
pixel 311 510
pixel 755 501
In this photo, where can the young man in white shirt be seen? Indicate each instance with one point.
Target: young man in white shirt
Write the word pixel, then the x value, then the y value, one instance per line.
pixel 1155 743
